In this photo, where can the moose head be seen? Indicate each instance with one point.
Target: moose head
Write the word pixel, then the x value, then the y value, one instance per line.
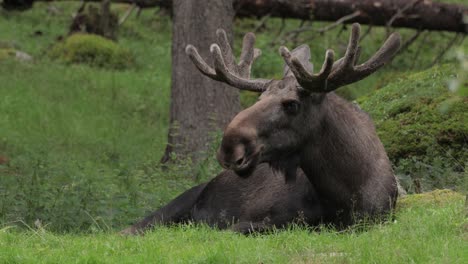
pixel 290 113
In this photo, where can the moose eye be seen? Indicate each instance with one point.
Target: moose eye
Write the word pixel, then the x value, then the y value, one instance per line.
pixel 291 107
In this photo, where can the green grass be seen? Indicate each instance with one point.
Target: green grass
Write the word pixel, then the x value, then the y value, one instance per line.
pixel 428 228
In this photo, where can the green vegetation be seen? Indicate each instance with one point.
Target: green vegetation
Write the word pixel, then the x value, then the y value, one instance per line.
pixel 429 229
pixel 80 145
pixel 7 53
pixel 423 127
pixel 93 50
pixel 82 142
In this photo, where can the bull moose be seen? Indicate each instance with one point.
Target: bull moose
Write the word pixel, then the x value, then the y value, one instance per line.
pixel 300 152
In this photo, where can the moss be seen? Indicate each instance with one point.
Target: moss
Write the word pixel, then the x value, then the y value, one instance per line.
pixel 419 117
pixel 93 50
pixel 436 197
pixel 7 53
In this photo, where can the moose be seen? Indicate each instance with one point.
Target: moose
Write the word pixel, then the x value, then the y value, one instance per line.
pixel 300 152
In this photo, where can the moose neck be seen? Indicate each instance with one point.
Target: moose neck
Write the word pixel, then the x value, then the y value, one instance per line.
pixel 338 158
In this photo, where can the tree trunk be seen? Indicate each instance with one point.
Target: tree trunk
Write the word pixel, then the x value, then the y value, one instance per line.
pixel 199 105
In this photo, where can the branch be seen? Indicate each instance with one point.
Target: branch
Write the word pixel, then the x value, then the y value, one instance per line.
pixel 339 22
pixel 127 14
pixel 445 49
pixel 423 15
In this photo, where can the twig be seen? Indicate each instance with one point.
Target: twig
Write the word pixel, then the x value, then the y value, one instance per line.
pixel 262 22
pixel 339 21
pixel 400 13
pixel 441 54
pixel 368 30
pixel 300 30
pixel 295 35
pixel 327 28
pixel 418 50
pixel 139 9
pixel 410 41
pixel 283 25
pixel 340 32
pixel 127 14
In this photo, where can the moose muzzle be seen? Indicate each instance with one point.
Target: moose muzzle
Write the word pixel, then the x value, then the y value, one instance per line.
pixel 239 150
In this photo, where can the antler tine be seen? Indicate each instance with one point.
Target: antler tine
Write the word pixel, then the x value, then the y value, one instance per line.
pixel 248 55
pixel 225 68
pixel 344 70
pixel 352 50
pixel 201 65
pixel 226 49
pixel 223 72
pixel 309 81
pixel 382 56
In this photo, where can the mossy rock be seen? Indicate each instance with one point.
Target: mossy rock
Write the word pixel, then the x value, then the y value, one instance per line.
pixel 10 53
pixel 436 197
pixel 419 117
pixel 92 50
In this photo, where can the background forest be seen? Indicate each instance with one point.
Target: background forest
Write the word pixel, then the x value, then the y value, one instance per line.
pixel 84 123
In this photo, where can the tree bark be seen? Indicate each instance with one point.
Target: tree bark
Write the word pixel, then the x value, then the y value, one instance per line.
pixel 199 105
pixel 421 14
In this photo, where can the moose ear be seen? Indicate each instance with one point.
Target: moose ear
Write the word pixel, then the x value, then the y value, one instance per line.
pixel 303 54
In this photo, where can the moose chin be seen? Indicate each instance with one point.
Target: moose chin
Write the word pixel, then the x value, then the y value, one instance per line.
pixel 335 166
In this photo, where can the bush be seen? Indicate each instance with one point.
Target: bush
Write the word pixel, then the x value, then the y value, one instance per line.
pixel 424 128
pixel 93 50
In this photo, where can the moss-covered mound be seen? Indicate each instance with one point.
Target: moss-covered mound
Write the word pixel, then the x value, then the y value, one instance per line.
pixel 436 197
pixel 7 53
pixel 11 53
pixel 93 50
pixel 419 116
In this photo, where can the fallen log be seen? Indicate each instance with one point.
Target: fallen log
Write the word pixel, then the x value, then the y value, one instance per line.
pixel 417 14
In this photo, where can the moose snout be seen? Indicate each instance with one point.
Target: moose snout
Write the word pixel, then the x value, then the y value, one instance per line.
pixel 232 157
pixel 239 151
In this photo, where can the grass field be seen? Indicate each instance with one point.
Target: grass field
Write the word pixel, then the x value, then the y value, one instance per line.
pixel 83 145
pixel 428 228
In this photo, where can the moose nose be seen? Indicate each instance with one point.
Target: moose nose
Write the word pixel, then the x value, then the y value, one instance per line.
pixel 232 157
pixel 240 161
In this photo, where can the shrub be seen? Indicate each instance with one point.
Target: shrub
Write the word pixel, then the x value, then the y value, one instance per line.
pixel 93 50
pixel 423 128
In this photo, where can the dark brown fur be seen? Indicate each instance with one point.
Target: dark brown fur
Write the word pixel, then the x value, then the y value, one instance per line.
pixel 332 141
pixel 245 205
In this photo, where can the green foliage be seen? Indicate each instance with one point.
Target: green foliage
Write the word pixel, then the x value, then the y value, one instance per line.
pixel 83 142
pixel 429 230
pixel 423 130
pixel 93 50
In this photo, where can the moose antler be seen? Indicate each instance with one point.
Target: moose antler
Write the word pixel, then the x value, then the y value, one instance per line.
pixel 225 68
pixel 344 71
